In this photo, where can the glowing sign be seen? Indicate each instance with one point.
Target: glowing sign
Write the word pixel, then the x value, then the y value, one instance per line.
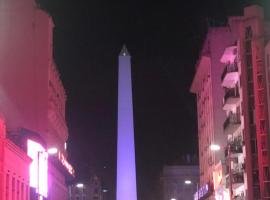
pixel 65 163
pixel 203 192
pixel 217 175
pixel 38 167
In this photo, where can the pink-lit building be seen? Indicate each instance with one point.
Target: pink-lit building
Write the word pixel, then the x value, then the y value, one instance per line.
pixel 242 172
pixel 207 87
pixel 32 95
pixel 254 35
pixel 14 169
pixel 246 103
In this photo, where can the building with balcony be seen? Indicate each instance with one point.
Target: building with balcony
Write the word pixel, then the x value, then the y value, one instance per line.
pixel 254 35
pixel 206 85
pixel 233 125
pixel 244 80
pixel 32 95
pixel 252 107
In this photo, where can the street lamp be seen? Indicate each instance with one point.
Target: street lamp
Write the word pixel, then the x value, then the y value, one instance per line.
pixel 215 147
pixel 104 190
pixel 79 185
pixel 52 151
pixel 188 182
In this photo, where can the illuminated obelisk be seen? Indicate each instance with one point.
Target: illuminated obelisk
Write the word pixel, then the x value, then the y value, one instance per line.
pixel 126 166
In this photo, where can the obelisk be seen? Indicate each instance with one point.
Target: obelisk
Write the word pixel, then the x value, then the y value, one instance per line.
pixel 126 166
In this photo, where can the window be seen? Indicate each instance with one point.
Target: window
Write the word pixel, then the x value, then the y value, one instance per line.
pixel 22 190
pixel 7 186
pixel 13 189
pixel 248 46
pixel 18 190
pixel 248 33
pixel 253 146
pixel 267 60
pixel 249 61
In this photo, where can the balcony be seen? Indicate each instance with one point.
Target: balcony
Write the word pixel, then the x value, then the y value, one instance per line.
pixel 231 99
pixel 232 123
pixel 235 148
pixel 237 177
pixel 229 76
pixel 229 54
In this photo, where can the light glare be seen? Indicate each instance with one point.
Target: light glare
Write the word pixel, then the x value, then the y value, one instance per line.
pixel 188 182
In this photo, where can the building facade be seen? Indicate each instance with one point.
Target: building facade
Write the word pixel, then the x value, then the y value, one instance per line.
pixel 207 87
pixel 180 182
pixel 14 169
pixel 32 95
pixel 254 34
pixel 243 171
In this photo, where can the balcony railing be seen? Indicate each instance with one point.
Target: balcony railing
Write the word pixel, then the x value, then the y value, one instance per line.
pixel 228 69
pixel 237 177
pixel 231 93
pixel 232 119
pixel 234 148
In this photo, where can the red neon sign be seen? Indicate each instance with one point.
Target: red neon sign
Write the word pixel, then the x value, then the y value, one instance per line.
pixel 65 163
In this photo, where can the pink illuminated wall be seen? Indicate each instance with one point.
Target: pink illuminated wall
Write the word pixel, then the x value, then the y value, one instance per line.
pixel 126 166
pixel 32 95
pixel 14 167
pixel 29 81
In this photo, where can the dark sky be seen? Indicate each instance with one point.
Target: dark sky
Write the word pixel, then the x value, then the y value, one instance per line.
pixel 164 40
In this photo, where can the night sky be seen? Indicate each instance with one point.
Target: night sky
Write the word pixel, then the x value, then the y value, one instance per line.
pixel 164 40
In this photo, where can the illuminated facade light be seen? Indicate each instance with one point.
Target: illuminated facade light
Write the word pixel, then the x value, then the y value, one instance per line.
pixel 173 198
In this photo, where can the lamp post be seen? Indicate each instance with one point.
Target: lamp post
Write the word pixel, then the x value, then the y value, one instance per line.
pixel 80 186
pixel 38 157
pixel 198 197
pixel 215 147
pixel 230 171
pixel 188 182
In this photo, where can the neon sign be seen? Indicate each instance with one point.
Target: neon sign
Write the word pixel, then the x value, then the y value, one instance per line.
pixel 203 192
pixel 38 167
pixel 65 163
